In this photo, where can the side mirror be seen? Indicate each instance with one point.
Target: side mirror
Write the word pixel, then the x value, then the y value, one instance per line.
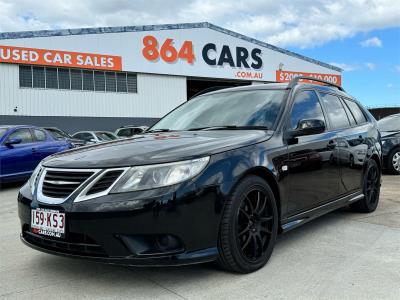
pixel 92 141
pixel 13 141
pixel 307 127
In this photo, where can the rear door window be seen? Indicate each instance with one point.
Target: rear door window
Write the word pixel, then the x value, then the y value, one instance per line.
pixel 356 111
pixel 335 110
pixel 39 135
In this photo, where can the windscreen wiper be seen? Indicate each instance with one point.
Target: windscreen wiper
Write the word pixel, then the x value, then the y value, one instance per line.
pixel 230 127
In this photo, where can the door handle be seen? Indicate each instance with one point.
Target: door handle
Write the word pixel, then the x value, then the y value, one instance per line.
pixel 33 149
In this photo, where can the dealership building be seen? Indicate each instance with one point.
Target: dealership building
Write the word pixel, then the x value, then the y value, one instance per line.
pixel 102 78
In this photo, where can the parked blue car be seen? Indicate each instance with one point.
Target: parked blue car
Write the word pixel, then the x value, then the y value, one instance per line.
pixel 22 148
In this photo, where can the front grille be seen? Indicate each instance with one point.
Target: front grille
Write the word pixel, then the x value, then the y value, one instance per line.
pixel 104 182
pixel 60 184
pixel 78 244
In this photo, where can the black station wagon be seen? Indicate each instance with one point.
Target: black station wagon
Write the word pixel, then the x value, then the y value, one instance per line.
pixel 214 180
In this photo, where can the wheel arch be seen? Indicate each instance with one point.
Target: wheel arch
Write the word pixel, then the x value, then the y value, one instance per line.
pixel 269 177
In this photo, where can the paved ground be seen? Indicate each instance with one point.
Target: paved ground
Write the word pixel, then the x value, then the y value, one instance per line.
pixel 339 256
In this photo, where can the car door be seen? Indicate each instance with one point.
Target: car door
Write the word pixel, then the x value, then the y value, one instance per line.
pixel 45 145
pixel 359 143
pixel 18 159
pixel 313 177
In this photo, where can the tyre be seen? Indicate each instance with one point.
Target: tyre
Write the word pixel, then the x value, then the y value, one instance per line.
pixel 371 189
pixel 249 226
pixel 393 163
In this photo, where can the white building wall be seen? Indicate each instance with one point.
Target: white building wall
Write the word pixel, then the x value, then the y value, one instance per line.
pixel 157 95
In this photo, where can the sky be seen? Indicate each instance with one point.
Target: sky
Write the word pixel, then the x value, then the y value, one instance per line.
pixel 360 36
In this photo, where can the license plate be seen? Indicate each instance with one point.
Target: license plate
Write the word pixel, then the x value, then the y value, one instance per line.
pixel 48 222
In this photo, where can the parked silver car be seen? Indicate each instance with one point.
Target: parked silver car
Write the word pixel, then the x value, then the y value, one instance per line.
pixel 94 137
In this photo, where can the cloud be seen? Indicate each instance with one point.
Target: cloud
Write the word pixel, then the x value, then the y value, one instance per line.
pixel 372 42
pixel 345 67
pixel 389 85
pixel 301 23
pixel 370 66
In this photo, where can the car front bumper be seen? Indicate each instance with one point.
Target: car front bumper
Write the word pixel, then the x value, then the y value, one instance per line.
pixel 124 229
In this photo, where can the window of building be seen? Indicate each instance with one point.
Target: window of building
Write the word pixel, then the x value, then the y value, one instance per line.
pixel 132 83
pixel 76 79
pixel 64 80
pixel 111 84
pixel 88 84
pixel 121 83
pixel 99 81
pixel 306 106
pixel 335 111
pixel 38 77
pixel 51 78
pixel 356 111
pixel 25 76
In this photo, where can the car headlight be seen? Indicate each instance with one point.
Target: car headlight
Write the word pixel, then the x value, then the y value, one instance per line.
pixel 155 176
pixel 32 179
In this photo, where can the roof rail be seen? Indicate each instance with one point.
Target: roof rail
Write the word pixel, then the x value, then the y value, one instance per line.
pixel 296 80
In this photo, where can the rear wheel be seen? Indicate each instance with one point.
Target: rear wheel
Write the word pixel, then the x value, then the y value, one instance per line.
pixel 371 189
pixel 393 164
pixel 249 226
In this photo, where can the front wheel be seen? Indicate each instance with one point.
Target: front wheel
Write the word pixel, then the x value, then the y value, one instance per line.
pixel 371 189
pixel 249 226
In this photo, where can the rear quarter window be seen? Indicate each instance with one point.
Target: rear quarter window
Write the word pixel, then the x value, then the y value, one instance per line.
pixel 356 111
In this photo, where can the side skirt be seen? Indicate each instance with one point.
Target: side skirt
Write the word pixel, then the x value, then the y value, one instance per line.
pixel 304 217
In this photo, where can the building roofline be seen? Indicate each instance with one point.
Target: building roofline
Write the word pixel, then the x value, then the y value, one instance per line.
pixel 119 29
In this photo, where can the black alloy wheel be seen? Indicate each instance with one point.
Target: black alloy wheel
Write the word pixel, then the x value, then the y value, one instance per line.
pixel 249 226
pixel 371 188
pixel 254 225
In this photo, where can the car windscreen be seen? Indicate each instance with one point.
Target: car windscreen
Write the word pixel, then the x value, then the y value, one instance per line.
pixel 3 130
pixel 105 136
pixel 239 108
pixel 391 123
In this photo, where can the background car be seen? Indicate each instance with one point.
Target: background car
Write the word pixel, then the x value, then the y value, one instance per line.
pixel 23 147
pixel 390 131
pixel 129 131
pixel 59 134
pixel 94 137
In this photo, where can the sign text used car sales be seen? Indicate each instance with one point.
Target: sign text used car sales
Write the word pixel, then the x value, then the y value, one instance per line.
pixel 45 57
